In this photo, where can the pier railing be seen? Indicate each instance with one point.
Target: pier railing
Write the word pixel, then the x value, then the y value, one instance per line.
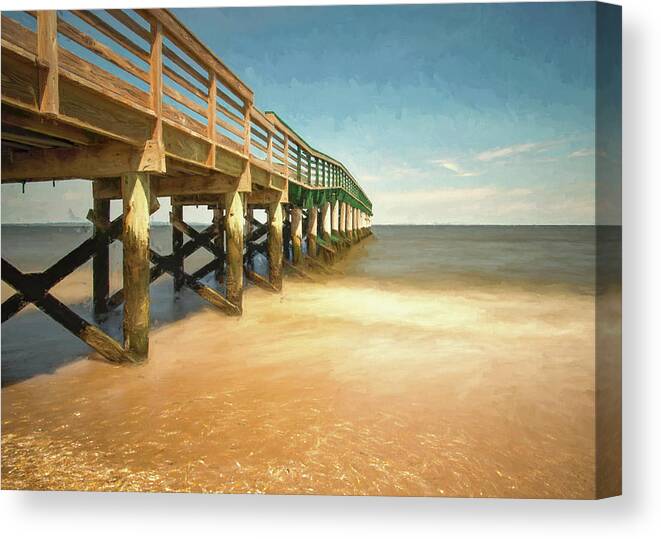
pixel 148 60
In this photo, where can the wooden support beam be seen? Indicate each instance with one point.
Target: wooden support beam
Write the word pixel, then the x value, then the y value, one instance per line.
pixel 219 242
pixel 286 231
pixel 275 244
pixel 157 270
pixel 326 232
pixel 172 186
pixel 47 60
pixel 298 271
pixel 101 261
pixel 135 237
pixel 249 245
pixel 312 232
pixel 264 198
pixel 201 239
pixel 177 244
pixel 31 288
pixel 335 217
pixel 63 267
pixel 205 292
pixel 98 161
pixel 297 235
pixel 234 226
pixel 260 281
pixel 343 218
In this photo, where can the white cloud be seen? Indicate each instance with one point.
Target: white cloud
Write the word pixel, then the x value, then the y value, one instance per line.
pixel 455 167
pixel 583 152
pixel 516 149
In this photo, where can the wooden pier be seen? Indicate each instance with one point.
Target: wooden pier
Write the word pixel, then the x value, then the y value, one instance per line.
pixel 132 101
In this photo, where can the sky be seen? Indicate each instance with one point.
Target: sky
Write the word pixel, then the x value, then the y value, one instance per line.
pixel 457 114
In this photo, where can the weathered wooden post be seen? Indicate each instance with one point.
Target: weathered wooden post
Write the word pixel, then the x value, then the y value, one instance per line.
pixel 343 219
pixel 135 237
pixel 274 242
pixel 219 242
pixel 248 232
pixel 177 244
pixel 101 261
pixel 47 56
pixel 234 226
pixel 296 235
pixel 312 232
pixel 335 218
pixel 286 231
pixel 326 229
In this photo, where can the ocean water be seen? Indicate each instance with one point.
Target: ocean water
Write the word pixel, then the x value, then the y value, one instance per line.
pixel 456 361
pixel 423 255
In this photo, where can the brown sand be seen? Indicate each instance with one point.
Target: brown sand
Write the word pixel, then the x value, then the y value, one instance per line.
pixel 345 387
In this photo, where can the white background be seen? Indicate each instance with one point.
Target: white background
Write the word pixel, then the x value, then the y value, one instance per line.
pixel 636 514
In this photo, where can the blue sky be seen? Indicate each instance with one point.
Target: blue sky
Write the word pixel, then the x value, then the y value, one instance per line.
pixel 445 113
pixel 473 113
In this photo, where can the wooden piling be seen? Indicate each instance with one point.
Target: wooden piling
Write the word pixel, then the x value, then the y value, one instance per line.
pixel 343 219
pixel 335 216
pixel 101 261
pixel 234 229
pixel 326 230
pixel 177 244
pixel 274 240
pixel 286 232
pixel 312 232
pixel 219 242
pixel 297 235
pixel 135 237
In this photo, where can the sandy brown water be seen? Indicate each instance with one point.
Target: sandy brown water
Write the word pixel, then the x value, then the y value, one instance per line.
pixel 356 384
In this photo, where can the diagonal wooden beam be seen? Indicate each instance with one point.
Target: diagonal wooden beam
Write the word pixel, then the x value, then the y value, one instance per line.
pixel 47 279
pixel 48 304
pixel 259 280
pixel 204 241
pixel 157 270
pixel 205 292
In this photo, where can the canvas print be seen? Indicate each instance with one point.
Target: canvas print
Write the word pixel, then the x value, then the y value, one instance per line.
pixel 342 250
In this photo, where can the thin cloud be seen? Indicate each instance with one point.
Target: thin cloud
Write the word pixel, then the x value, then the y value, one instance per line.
pixel 583 152
pixel 506 152
pixel 456 168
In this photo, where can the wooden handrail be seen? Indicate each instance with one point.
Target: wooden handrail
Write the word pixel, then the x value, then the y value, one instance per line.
pixel 207 95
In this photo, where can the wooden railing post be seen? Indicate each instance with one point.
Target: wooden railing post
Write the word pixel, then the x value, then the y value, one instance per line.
pixel 246 132
pixel 298 162
pixel 286 154
pixel 316 170
pixel 211 119
pixel 49 98
pixel 156 80
pixel 269 147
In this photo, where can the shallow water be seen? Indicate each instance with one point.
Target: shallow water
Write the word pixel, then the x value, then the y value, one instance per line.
pixel 452 361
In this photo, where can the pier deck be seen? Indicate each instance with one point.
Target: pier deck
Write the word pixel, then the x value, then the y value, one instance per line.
pixel 132 101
